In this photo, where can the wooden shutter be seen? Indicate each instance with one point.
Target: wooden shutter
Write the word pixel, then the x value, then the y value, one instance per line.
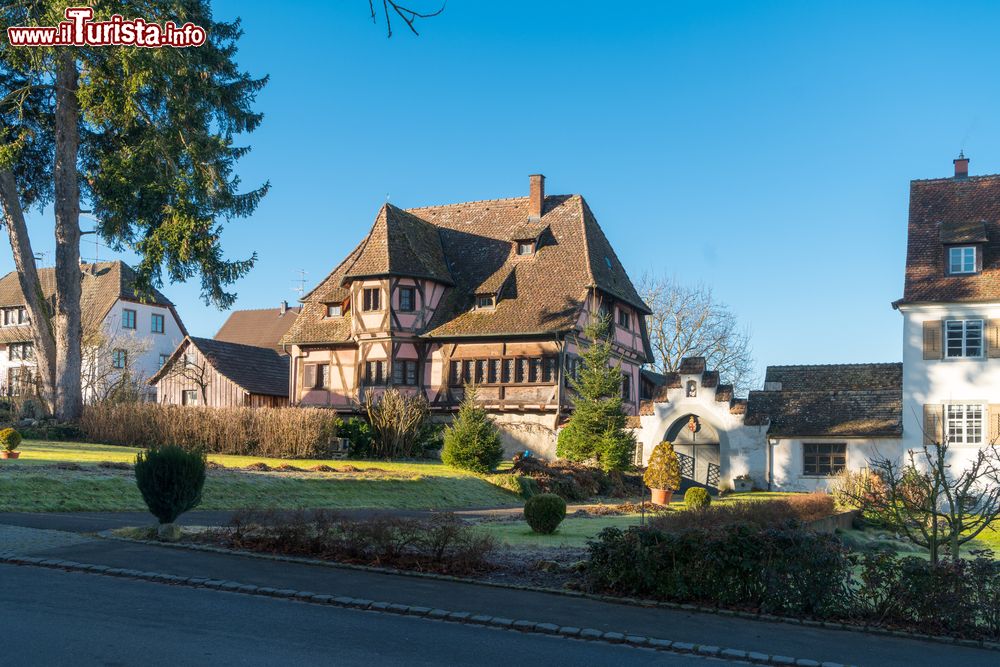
pixel 933 424
pixel 993 433
pixel 932 340
pixel 993 338
pixel 310 376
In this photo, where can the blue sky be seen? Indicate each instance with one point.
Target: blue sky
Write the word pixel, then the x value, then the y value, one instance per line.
pixel 763 148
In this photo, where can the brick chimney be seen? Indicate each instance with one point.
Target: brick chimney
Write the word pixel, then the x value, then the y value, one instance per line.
pixel 536 196
pixel 961 165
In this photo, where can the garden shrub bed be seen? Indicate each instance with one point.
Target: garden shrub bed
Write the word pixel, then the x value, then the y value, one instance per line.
pixel 443 543
pixel 272 432
pixel 575 481
pixel 804 507
pixel 785 569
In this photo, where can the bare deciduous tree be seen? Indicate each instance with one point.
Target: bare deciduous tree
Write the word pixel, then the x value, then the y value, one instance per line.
pixel 189 369
pixel 935 503
pixel 687 321
pixel 101 379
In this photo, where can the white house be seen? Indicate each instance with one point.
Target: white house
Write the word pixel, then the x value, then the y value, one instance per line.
pixel 122 334
pixel 951 312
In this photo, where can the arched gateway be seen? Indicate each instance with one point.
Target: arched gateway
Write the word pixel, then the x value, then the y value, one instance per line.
pixel 706 424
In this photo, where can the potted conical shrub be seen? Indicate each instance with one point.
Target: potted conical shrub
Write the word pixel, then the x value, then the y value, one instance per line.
pixel 663 474
pixel 9 442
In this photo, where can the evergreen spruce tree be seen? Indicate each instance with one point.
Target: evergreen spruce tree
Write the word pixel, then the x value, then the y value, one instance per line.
pixel 472 442
pixel 147 139
pixel 597 430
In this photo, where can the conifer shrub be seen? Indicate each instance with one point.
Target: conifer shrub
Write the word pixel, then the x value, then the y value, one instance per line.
pixel 544 512
pixel 598 430
pixel 170 480
pixel 664 469
pixel 472 442
pixel 697 498
pixel 10 439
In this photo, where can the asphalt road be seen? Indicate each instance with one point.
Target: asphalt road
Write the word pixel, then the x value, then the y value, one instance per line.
pixel 52 617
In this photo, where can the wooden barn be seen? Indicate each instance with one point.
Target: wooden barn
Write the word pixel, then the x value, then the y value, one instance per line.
pixel 219 374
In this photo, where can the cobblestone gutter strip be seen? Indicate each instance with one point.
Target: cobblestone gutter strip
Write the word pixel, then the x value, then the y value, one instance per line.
pixel 632 602
pixel 512 625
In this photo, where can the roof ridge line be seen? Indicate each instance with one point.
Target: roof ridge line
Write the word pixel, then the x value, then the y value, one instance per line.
pixel 480 201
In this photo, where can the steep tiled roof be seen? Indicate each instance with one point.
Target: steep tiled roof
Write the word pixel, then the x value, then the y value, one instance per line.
pixel 468 247
pixel 952 210
pixel 400 244
pixel 258 370
pixel 847 400
pixel 103 284
pixel 261 328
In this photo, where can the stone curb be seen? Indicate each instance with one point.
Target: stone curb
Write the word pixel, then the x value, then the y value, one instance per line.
pixel 632 602
pixel 568 632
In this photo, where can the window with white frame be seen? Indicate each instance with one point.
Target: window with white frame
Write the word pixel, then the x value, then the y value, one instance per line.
pixel 963 338
pixel 14 316
pixel 962 259
pixel 964 423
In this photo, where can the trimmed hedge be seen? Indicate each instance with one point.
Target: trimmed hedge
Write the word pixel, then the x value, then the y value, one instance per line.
pixel 545 512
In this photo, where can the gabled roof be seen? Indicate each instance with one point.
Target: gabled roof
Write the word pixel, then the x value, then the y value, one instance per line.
pixel 469 247
pixel 946 211
pixel 103 284
pixel 260 328
pixel 258 370
pixel 839 400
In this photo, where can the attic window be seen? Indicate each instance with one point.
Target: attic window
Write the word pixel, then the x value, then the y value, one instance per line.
pixel 962 260
pixel 334 310
pixel 486 301
pixel 525 248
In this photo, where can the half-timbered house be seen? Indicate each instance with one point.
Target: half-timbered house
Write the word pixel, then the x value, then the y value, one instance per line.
pixel 495 293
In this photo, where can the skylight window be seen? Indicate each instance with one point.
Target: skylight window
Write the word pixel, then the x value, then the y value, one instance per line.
pixel 607 260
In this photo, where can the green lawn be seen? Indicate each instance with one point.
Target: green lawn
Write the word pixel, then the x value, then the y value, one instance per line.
pixel 42 481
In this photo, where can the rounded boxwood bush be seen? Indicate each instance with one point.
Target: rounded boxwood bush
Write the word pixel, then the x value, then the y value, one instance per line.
pixel 9 439
pixel 697 498
pixel 170 479
pixel 545 512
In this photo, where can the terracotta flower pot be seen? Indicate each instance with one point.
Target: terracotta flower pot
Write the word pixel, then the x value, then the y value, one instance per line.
pixel 661 496
pixel 4 454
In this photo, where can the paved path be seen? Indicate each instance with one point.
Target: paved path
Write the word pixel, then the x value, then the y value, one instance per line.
pixel 773 638
pixel 91 620
pixel 27 541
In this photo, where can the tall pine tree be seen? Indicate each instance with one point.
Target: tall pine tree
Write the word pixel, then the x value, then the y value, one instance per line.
pixel 597 430
pixel 144 138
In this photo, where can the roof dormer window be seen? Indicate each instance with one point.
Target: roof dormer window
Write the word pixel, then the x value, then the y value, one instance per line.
pixel 962 260
pixel 334 310
pixel 525 248
pixel 484 301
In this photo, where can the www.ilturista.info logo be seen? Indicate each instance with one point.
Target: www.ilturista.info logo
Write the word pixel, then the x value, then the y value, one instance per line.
pixel 80 30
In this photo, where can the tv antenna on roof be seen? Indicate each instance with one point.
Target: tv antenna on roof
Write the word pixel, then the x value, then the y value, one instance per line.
pixel 300 289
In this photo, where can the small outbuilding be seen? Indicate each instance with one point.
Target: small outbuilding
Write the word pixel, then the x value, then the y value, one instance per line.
pixel 219 374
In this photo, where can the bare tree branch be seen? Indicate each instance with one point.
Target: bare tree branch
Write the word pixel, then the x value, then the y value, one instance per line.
pixel 688 322
pixel 408 15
